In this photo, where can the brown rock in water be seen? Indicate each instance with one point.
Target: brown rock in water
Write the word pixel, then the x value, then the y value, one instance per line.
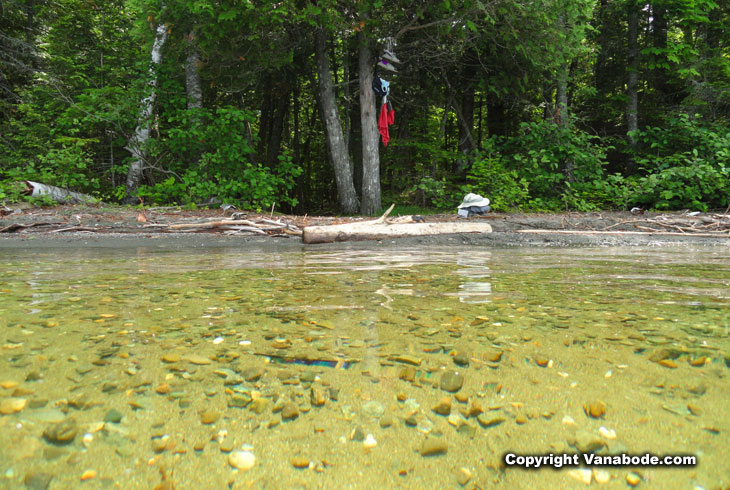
pixel 209 417
pixel 197 360
pixel 493 356
pixel 289 412
pixel 595 409
pixel 63 432
pixel 37 481
pixel 299 462
pixel 461 397
pixel 541 360
pixel 452 381
pixel 434 446
pixel 259 405
pixel 475 409
pixel 668 363
pixel 317 397
pixel 697 361
pixel 252 373
pixel 443 407
pixel 694 409
pixel 663 354
pixel 163 389
pixel 170 358
pixel 407 373
pixel 12 405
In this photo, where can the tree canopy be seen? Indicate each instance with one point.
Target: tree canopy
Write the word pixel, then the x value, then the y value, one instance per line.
pixel 537 104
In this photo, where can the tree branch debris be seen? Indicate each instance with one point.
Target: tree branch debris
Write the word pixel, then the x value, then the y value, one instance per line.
pixel 707 224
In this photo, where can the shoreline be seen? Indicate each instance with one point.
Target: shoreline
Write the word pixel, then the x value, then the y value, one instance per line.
pixel 496 239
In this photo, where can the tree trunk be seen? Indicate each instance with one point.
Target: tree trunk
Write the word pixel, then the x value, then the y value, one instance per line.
pixel 660 75
pixel 632 107
pixel 282 93
pixel 333 128
pixel 136 144
pixel 561 115
pixel 465 111
pixel 561 96
pixel 601 69
pixel 370 134
pixel 496 116
pixel 193 84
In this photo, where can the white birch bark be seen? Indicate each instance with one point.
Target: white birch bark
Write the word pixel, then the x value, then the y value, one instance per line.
pixel 193 84
pixel 137 143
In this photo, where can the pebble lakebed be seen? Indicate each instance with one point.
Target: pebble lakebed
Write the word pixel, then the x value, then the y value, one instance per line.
pixel 396 369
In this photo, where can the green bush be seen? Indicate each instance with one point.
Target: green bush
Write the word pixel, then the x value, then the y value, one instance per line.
pixel 206 154
pixel 489 178
pixel 685 164
pixel 543 151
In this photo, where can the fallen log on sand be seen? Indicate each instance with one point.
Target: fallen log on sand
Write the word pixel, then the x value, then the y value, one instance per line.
pixel 381 228
pixel 62 196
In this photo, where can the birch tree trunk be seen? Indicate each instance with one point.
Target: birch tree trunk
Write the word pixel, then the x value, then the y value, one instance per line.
pixel 193 84
pixel 136 144
pixel 370 134
pixel 333 128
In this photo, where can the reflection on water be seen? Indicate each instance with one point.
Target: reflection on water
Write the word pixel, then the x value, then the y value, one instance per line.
pixel 397 368
pixel 476 287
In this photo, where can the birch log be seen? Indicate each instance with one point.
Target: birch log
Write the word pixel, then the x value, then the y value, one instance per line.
pixel 61 196
pixel 137 143
pixel 377 230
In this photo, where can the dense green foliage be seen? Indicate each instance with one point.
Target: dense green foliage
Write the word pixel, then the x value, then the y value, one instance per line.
pixel 525 102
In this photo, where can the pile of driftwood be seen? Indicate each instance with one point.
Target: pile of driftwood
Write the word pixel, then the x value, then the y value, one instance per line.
pixel 229 226
pixel 682 224
pixel 232 226
pixel 711 225
pixel 241 224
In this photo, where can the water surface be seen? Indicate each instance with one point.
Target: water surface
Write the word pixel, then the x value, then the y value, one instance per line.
pixel 133 368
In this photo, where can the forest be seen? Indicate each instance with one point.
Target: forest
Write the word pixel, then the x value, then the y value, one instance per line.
pixel 539 105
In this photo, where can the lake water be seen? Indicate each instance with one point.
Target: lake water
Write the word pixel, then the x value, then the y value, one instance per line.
pixel 390 368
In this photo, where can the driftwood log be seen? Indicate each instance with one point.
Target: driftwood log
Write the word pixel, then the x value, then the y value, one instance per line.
pixel 63 196
pixel 381 228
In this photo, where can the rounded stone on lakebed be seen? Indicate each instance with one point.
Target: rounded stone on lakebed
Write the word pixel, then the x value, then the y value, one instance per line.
pixel 299 462
pixel 443 407
pixel 171 357
pixel 433 446
pixel 242 460
pixel 633 479
pixel 289 412
pixel 63 432
pixel 595 409
pixel 541 360
pixel 451 381
pixel 209 417
pixel 12 405
pixel 113 416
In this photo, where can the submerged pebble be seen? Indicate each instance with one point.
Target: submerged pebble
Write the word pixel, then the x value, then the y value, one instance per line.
pixel 12 405
pixel 433 446
pixel 595 409
pixel 451 381
pixel 242 460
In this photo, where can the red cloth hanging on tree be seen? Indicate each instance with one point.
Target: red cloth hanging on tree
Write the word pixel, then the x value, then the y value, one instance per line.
pixel 387 117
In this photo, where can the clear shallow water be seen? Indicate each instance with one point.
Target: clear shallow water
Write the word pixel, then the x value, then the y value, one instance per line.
pixel 135 368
